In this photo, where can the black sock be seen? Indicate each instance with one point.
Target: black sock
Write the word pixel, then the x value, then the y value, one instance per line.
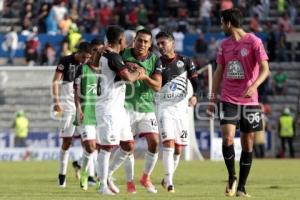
pixel 229 155
pixel 245 165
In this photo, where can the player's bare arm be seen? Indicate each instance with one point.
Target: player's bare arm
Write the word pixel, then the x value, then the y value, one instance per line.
pixel 263 74
pixel 55 91
pixel 154 82
pixel 79 112
pixel 131 72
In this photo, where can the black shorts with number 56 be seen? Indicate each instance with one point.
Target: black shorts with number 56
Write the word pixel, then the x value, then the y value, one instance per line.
pixel 246 117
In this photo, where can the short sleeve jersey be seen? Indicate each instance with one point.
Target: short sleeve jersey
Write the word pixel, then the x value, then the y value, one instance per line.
pixel 240 60
pixel 86 80
pixel 112 87
pixel 139 96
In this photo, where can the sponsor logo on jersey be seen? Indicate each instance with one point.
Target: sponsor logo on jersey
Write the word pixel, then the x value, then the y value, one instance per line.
pixel 173 86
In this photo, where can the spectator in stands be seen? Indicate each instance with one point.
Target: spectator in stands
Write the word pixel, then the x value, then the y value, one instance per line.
pixel 132 17
pixel 59 10
pixel 179 38
pixel 281 45
pixel 41 17
pixel 258 10
pixel 48 55
pixel 32 47
pixel 280 82
pixel 104 15
pixel 205 11
pixel 11 42
pixel 285 23
pixel 255 24
pixel 51 23
pixel 286 130
pixel 65 51
pixel 226 4
pixel 266 8
pixel 64 24
pixel 21 126
pixel 200 48
pixel 89 17
pixel 73 37
pixel 271 41
pixel 293 12
pixel 142 15
pixel 281 6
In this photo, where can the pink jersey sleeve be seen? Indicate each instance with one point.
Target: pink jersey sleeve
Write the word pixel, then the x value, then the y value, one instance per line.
pixel 220 56
pixel 260 53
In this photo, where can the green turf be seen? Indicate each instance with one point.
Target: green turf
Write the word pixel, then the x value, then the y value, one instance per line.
pixel 270 179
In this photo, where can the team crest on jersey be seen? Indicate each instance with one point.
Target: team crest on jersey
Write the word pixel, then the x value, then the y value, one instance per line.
pixel 173 86
pixel 180 64
pixel 244 52
pixel 235 70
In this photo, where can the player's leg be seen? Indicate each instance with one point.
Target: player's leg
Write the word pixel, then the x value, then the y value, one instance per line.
pixel 88 136
pixel 108 133
pixel 66 133
pixel 229 115
pixel 167 129
pixel 250 122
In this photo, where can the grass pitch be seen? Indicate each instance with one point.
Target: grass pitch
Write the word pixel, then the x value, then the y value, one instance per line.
pixel 195 180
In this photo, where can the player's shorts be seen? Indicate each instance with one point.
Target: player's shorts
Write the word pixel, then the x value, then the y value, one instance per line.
pixel 66 126
pixel 247 117
pixel 143 123
pixel 87 132
pixel 113 127
pixel 173 129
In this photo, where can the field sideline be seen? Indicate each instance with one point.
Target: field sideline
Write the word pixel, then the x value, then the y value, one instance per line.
pixel 270 180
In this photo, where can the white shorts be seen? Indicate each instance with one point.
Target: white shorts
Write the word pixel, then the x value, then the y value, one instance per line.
pixel 174 129
pixel 143 123
pixel 66 126
pixel 113 127
pixel 87 132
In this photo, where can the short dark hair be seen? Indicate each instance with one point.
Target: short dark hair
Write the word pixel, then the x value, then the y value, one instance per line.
pixel 144 31
pixel 84 47
pixel 165 34
pixel 234 16
pixel 113 34
pixel 96 41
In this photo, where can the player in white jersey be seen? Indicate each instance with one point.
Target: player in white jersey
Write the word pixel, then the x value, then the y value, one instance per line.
pixel 112 124
pixel 63 99
pixel 172 103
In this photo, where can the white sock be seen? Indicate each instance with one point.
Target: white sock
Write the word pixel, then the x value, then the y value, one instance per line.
pixel 86 161
pixel 93 164
pixel 168 162
pixel 63 161
pixel 103 162
pixel 151 159
pixel 129 168
pixel 118 158
pixel 176 161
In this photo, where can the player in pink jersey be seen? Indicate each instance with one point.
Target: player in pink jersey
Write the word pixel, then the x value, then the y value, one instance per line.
pixel 242 67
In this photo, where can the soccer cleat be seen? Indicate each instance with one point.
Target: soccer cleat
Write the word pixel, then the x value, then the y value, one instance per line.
pixel 84 180
pixel 131 187
pixel 163 184
pixel 105 191
pixel 112 186
pixel 171 189
pixel 146 182
pixel 91 181
pixel 77 168
pixel 230 190
pixel 241 192
pixel 62 180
